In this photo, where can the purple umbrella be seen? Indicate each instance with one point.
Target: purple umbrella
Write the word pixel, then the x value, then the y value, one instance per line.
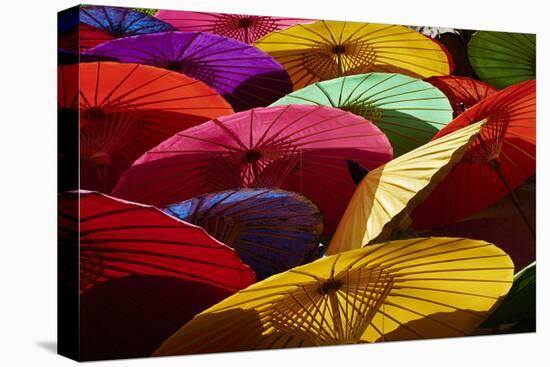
pixel 246 76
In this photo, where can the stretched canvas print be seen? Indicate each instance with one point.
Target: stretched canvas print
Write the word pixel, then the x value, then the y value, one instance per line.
pixel 231 182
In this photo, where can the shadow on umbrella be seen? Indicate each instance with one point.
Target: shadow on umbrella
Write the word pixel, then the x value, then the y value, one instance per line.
pixel 437 325
pixel 205 339
pixel 129 317
pixel 260 90
pixel 406 132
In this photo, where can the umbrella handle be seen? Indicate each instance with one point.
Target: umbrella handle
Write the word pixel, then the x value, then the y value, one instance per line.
pixel 495 166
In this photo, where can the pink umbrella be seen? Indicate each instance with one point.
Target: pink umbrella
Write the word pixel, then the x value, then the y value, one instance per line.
pixel 295 147
pixel 245 28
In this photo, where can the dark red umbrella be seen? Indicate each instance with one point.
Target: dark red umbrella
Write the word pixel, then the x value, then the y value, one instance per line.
pixel 501 225
pixel 141 273
pixel 116 238
pixel 463 92
pixel 127 109
pixel 295 147
pixel 130 317
pixel 500 159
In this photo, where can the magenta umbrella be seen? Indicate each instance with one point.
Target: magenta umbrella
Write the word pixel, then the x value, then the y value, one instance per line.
pixel 246 28
pixel 298 148
pixel 246 76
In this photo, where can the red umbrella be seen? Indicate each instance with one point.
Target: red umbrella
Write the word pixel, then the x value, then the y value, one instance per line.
pixel 501 225
pixel 126 109
pixel 116 238
pixel 295 147
pixel 500 159
pixel 463 92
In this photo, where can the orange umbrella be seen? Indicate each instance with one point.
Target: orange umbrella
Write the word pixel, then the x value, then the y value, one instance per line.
pixel 463 92
pixel 127 109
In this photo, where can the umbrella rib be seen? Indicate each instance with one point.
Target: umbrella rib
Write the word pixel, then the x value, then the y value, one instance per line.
pixel 404 61
pixel 405 287
pixel 394 268
pixel 506 49
pixel 418 336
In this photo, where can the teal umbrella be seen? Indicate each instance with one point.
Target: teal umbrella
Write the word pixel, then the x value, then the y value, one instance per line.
pixel 501 58
pixel 408 110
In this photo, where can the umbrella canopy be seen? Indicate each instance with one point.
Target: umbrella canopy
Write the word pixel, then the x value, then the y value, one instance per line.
pixel 463 92
pixel 245 28
pixel 126 109
pixel 122 22
pixel 409 111
pixel 517 313
pixel 384 198
pixel 501 159
pixel 501 58
pixel 129 317
pixel 409 289
pixel 296 148
pixel 245 76
pixel 501 225
pixel 329 49
pixel 272 230
pixel 119 238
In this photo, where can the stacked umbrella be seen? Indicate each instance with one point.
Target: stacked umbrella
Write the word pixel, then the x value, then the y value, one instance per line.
pixel 247 169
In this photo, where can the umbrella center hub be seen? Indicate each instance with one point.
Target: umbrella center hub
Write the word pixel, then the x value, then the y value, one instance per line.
pixel 339 49
pixel 253 156
pixel 331 285
pixel 245 22
pixel 244 28
pixel 327 307
pixel 118 33
pixel 336 60
pixel 175 65
pixel 488 145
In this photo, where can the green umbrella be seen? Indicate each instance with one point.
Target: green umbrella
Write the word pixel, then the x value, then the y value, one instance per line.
pixel 502 58
pixel 408 110
pixel 517 311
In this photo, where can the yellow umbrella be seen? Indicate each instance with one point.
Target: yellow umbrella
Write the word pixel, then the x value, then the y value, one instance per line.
pixel 409 289
pixel 329 49
pixel 383 200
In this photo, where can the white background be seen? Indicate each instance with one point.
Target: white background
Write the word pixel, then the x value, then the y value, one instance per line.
pixel 28 186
